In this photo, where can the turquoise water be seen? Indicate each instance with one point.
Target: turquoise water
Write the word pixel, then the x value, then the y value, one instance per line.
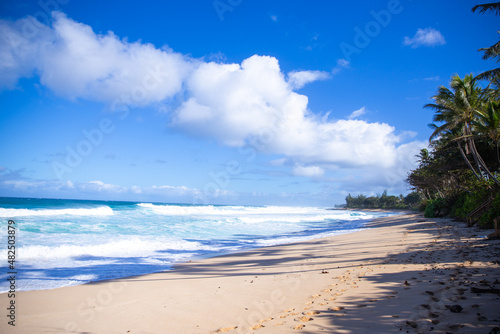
pixel 69 242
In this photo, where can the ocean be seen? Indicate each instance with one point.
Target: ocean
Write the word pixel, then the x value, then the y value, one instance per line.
pixel 68 242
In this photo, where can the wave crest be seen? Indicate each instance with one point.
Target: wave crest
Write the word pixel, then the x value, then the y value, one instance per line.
pixel 99 211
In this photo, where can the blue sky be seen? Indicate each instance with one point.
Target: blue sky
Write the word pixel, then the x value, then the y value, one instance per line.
pixel 226 101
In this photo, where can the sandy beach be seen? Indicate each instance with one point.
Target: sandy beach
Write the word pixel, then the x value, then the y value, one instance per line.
pixel 403 274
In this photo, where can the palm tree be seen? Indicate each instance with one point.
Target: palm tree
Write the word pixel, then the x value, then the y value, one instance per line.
pixel 424 157
pixel 458 109
pixel 494 50
pixel 488 124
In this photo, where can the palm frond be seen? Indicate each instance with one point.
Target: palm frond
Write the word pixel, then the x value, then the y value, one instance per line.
pixel 487 7
pixel 492 52
pixel 489 75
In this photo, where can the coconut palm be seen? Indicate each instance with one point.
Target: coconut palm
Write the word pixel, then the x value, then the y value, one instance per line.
pixel 458 109
pixel 494 50
pixel 423 157
pixel 488 124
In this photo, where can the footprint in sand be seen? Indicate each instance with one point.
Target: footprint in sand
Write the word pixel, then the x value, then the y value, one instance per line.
pixel 336 308
pixel 303 319
pixel 265 320
pixel 299 327
pixel 227 329
pixel 257 326
pixel 280 323
pixel 311 313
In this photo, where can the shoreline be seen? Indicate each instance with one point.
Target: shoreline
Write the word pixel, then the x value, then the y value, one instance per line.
pixel 325 284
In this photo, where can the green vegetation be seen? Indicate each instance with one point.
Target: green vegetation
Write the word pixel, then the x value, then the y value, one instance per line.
pixel 460 171
pixel 383 201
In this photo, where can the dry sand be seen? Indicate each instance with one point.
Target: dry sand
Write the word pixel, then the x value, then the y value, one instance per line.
pixel 404 275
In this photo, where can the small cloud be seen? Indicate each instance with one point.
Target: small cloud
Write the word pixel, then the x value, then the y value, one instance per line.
pixel 425 37
pixel 309 171
pixel 2 169
pixel 298 79
pixel 436 78
pixel 274 18
pixel 160 161
pixel 357 113
pixel 341 63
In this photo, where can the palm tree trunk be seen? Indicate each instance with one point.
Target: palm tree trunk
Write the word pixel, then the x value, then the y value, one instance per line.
pixel 467 161
pixel 469 144
pixel 483 164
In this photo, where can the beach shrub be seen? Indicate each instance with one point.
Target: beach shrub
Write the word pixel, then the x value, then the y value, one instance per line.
pixel 481 191
pixel 434 207
pixel 486 220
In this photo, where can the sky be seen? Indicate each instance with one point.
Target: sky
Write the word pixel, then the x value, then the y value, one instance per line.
pixel 225 101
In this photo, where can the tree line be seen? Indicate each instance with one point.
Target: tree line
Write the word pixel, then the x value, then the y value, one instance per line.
pixel 383 201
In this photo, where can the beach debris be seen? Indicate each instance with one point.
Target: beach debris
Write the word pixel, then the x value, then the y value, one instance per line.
pixel 324 271
pixel 456 308
pixel 406 283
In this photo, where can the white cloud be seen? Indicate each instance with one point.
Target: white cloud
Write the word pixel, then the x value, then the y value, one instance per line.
pixel 298 79
pixel 75 62
pixel 308 171
pixel 357 113
pixel 274 18
pixel 252 103
pixel 425 37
